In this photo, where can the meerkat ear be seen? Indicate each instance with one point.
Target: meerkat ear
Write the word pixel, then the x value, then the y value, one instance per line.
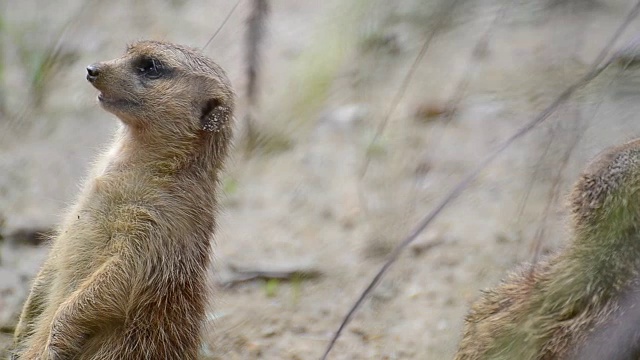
pixel 215 114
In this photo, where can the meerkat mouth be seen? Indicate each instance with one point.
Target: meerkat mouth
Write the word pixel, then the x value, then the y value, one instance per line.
pixel 114 102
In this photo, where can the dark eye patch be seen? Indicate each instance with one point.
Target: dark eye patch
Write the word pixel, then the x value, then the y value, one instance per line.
pixel 150 68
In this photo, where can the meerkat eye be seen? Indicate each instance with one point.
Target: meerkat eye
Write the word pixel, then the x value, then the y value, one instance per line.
pixel 150 68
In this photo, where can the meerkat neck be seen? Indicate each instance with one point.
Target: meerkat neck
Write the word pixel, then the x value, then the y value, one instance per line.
pixel 137 148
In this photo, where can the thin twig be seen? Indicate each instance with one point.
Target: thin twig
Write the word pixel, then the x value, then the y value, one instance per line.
pixel 535 174
pixel 472 68
pixel 224 22
pixel 554 193
pixel 598 66
pixel 254 38
pixel 442 16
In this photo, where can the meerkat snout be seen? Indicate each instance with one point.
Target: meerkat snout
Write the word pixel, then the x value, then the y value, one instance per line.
pixel 93 71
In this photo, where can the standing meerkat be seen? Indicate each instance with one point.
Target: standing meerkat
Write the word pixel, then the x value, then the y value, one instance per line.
pixel 552 309
pixel 126 277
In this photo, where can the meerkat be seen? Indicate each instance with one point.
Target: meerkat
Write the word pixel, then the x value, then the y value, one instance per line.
pixel 553 309
pixel 126 277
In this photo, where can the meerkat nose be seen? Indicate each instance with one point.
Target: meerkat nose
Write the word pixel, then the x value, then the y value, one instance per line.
pixel 93 71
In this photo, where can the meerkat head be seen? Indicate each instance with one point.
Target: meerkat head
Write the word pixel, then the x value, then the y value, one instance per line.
pixel 607 195
pixel 166 88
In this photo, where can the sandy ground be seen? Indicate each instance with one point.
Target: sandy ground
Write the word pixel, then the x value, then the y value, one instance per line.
pixel 307 205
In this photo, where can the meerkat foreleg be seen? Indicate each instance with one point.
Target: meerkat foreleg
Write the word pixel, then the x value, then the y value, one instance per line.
pixel 100 298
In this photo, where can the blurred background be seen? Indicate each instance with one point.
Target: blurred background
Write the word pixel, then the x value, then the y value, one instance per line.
pixel 364 114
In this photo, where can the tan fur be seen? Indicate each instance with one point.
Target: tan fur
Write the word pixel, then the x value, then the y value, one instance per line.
pixel 126 277
pixel 550 309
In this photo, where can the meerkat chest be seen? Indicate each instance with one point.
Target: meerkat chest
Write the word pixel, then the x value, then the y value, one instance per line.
pixel 133 212
pixel 108 208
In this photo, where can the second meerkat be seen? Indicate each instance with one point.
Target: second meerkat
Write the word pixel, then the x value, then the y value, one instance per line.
pixel 126 277
pixel 550 310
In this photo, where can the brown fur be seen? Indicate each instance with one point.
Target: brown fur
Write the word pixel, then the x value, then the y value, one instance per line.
pixel 127 274
pixel 550 309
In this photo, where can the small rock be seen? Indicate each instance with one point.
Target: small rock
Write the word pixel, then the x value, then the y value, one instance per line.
pixel 423 168
pixel 428 112
pixel 269 331
pixel 426 243
pixel 299 329
pixel 345 117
